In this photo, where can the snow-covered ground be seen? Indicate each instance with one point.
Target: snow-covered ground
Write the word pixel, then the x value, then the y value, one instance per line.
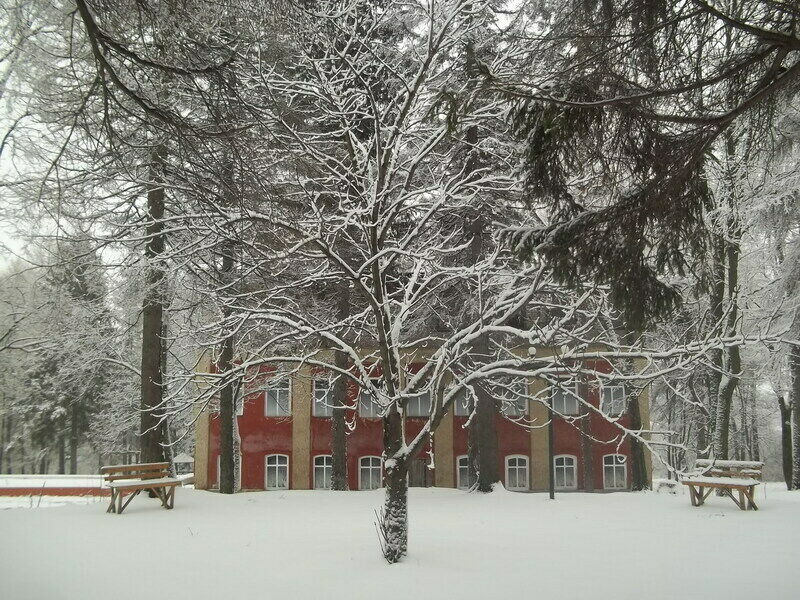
pixel 323 545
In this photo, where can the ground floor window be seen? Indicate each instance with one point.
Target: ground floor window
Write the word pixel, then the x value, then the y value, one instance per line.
pixel 464 479
pixel 517 473
pixel 566 472
pixel 615 472
pixel 323 472
pixel 277 472
pixel 370 473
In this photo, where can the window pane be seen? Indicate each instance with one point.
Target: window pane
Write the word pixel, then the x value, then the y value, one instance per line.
pixel 461 403
pixel 322 400
pixel 419 406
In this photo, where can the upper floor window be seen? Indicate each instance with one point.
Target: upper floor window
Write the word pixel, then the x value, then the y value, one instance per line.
pixel 368 406
pixel 514 395
pixel 615 472
pixel 277 472
pixel 323 406
pixel 565 472
pixel 464 480
pixel 564 400
pixel 461 403
pixel 323 472
pixel 370 472
pixel 419 406
pixel 517 473
pixel 278 399
pixel 612 400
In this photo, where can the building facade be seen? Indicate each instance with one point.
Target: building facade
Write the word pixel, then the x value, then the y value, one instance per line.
pixel 285 430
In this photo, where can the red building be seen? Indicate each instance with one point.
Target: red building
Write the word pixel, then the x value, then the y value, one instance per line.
pixel 285 431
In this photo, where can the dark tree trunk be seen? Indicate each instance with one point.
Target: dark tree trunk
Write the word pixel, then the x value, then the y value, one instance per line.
pixel 794 373
pixel 732 362
pixel 394 524
pixel 786 440
pixel 587 450
pixel 483 449
pixel 2 443
pixel 227 408
pixel 62 458
pixel 150 425
pixel 339 400
pixel 73 439
pixel 639 479
pixel 339 426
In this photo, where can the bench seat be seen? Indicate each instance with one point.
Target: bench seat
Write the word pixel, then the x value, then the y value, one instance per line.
pixel 720 481
pixel 143 483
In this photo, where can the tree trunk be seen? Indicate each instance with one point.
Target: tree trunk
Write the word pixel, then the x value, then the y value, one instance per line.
pixel 483 448
pixel 73 440
pixel 62 458
pixel 732 362
pixel 339 426
pixel 395 511
pixel 794 373
pixel 227 420
pixel 587 449
pixel 639 479
pixel 339 400
pixel 786 440
pixel 150 426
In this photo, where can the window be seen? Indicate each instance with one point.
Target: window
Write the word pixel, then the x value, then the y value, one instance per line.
pixel 515 399
pixel 612 400
pixel 322 403
pixel 419 406
pixel 461 402
pixel 278 399
pixel 565 400
pixel 323 472
pixel 368 406
pixel 615 472
pixel 370 473
pixel 517 473
pixel 566 473
pixel 277 472
pixel 463 478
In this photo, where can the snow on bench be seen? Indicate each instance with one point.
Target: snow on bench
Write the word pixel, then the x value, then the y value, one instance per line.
pixel 727 476
pixel 726 481
pixel 729 464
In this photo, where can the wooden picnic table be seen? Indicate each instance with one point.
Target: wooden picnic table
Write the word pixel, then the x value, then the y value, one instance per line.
pixel 122 479
pixel 728 476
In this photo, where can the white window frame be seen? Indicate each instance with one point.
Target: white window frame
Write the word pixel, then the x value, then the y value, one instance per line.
pixel 377 408
pixel 280 386
pixel 325 468
pixel 321 406
pixel 568 393
pixel 417 404
pixel 606 405
pixel 527 472
pixel 460 484
pixel 371 466
pixel 623 464
pixel 267 467
pixel 219 469
pixel 564 468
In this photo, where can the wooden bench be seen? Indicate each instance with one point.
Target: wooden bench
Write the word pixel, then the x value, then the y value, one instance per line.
pixel 728 476
pixel 122 479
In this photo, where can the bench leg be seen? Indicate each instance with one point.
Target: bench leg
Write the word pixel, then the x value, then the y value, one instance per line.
pixel 128 501
pixel 751 503
pixel 111 507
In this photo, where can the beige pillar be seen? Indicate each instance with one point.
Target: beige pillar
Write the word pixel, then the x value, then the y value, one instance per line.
pixel 540 468
pixel 301 429
pixel 443 452
pixel 201 434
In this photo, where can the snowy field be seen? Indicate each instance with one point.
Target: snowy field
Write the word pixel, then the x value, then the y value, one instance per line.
pixel 323 545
